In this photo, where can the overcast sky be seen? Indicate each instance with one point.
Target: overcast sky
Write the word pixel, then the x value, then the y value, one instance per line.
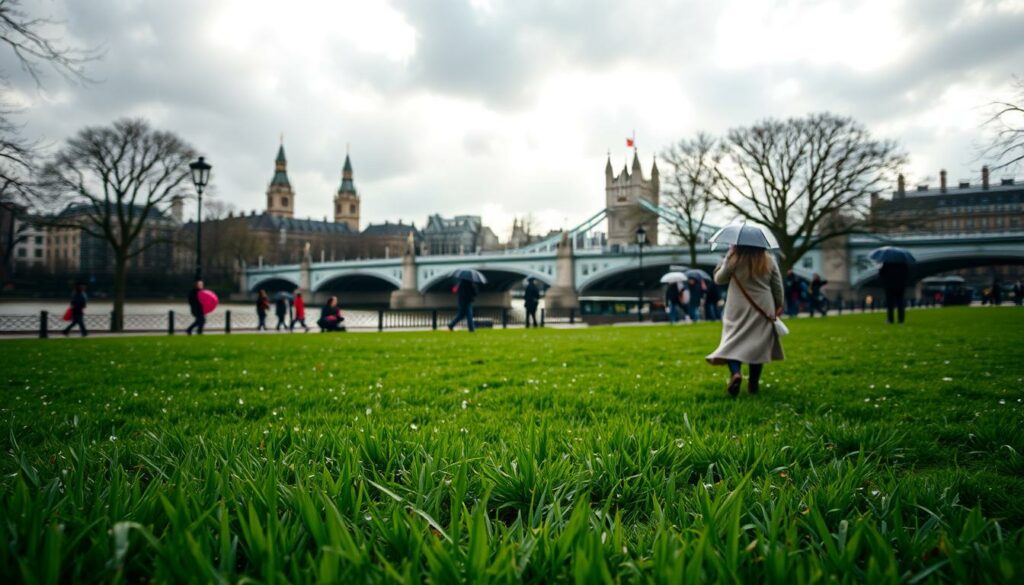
pixel 502 108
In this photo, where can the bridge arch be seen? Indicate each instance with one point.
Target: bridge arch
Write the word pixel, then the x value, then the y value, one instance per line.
pixel 938 263
pixel 273 283
pixel 498 279
pixel 357 281
pixel 625 278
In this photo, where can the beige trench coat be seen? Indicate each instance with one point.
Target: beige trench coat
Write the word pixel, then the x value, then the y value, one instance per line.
pixel 746 335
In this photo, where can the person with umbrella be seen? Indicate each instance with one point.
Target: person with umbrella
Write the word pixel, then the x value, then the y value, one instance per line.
pixel 281 310
pixel 894 273
pixel 465 292
pixel 711 298
pixel 696 281
pixel 749 333
pixel 675 294
pixel 531 298
pixel 196 308
pixel 262 306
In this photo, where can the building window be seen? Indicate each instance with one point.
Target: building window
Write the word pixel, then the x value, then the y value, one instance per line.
pixel 284 202
pixel 352 208
pixel 39 253
pixel 21 252
pixel 808 262
pixel 39 240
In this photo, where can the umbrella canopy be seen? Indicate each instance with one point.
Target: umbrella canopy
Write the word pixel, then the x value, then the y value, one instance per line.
pixel 698 273
pixel 283 295
pixel 671 277
pixel 892 254
pixel 741 234
pixel 470 275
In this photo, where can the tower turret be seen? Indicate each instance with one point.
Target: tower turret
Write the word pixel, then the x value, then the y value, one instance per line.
pixel 280 196
pixel 346 202
pixel 622 200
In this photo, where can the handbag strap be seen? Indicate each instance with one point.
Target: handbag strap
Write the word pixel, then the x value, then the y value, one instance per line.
pixel 751 301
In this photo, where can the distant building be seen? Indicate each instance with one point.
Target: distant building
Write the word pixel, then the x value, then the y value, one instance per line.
pixel 964 209
pixel 622 200
pixel 30 246
pixel 948 211
pixel 462 234
pixel 346 202
pixel 71 249
pixel 394 236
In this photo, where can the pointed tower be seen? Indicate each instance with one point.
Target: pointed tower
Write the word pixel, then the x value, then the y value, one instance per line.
pixel 346 202
pixel 280 197
pixel 622 200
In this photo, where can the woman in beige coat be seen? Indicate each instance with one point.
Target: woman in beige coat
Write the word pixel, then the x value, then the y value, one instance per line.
pixel 748 332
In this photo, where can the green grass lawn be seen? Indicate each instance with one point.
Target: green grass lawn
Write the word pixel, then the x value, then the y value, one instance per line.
pixel 873 454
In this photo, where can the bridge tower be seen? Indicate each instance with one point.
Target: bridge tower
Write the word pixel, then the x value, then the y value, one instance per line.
pixel 346 202
pixel 622 200
pixel 280 197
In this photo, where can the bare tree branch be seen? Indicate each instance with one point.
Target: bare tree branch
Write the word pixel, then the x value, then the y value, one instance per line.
pixel 1006 123
pixel 115 180
pixel 691 180
pixel 807 179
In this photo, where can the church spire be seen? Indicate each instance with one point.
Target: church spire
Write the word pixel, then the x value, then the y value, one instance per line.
pixel 347 184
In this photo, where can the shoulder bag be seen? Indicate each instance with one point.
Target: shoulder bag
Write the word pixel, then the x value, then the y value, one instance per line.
pixel 780 327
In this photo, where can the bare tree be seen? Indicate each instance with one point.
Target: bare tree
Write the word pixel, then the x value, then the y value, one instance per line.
pixel 121 176
pixel 1007 126
pixel 691 182
pixel 806 179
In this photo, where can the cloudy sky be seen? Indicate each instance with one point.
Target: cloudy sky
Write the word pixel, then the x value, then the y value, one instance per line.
pixel 502 108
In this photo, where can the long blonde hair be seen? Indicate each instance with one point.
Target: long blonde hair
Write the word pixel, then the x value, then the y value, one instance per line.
pixel 757 260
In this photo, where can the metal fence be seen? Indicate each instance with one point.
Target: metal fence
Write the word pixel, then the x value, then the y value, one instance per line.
pixel 45 323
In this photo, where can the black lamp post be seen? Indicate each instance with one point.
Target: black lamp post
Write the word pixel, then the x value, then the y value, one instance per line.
pixel 200 178
pixel 641 239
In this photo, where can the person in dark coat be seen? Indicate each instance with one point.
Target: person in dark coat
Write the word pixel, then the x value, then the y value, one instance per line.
pixel 196 308
pixel 817 300
pixel 78 303
pixel 531 298
pixel 300 312
pixel 997 292
pixel 465 292
pixel 281 310
pixel 711 298
pixel 696 286
pixel 674 301
pixel 262 306
pixel 330 317
pixel 792 293
pixel 894 277
pixel 1018 289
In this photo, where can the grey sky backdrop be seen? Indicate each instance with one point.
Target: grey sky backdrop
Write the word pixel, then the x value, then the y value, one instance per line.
pixel 501 108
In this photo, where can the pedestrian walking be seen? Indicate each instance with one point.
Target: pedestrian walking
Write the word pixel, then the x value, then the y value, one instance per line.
pixel 262 306
pixel 77 309
pixel 281 310
pixel 711 298
pixel 196 308
pixel 792 293
pixel 677 300
pixel 817 298
pixel 330 317
pixel 465 293
pixel 748 330
pixel 531 298
pixel 1018 290
pixel 300 312
pixel 997 292
pixel 693 284
pixel 894 279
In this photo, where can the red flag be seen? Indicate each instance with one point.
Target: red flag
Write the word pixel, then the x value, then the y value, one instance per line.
pixel 629 143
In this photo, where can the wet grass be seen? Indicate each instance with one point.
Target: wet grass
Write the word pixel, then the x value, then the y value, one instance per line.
pixel 873 454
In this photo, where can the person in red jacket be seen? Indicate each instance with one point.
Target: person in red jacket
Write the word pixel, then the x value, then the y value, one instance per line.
pixel 300 312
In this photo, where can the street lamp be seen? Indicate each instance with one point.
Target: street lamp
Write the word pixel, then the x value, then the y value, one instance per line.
pixel 200 178
pixel 641 239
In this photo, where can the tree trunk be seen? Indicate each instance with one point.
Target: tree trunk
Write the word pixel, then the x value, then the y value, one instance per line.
pixel 693 253
pixel 120 286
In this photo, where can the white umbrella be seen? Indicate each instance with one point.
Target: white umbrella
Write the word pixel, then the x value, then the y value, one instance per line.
pixel 742 234
pixel 671 277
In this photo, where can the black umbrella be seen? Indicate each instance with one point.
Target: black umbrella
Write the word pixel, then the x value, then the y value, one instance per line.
pixel 892 254
pixel 742 234
pixel 470 275
pixel 282 295
pixel 698 273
